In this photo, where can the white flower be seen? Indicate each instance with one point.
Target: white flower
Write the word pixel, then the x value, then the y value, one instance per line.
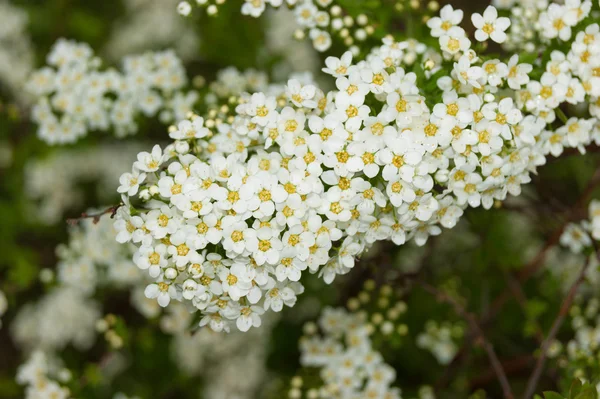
pixel 575 238
pixel 236 281
pixel 279 295
pixel 448 18
pixel 184 8
pixel 556 22
pixel 490 26
pixel 321 39
pixel 254 8
pixel 466 73
pixel 190 130
pixel 130 182
pixel 249 317
pixel 149 162
pixel 289 267
pixel 151 258
pixel 301 96
pixel 163 293
pixel 338 67
pixel 236 236
pixel 454 40
pixel 265 246
pixel 518 74
pixel 594 214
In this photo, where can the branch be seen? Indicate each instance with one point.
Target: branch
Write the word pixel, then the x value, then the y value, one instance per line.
pixel 95 216
pixel 527 271
pixel 564 310
pixel 476 329
pixel 510 366
pixel 538 260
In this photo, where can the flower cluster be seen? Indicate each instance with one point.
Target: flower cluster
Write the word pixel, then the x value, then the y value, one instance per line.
pixel 440 339
pixel 92 262
pixel 579 236
pixel 151 25
pixel 42 378
pixel 64 316
pixel 230 215
pixel 568 79
pixel 16 52
pixel 318 19
pixel 93 258
pixel 384 309
pixel 232 365
pixel 579 358
pixel 231 82
pixel 53 184
pixel 70 313
pixel 74 96
pixel 533 22
pixel 348 364
pixel 523 33
pixel 559 19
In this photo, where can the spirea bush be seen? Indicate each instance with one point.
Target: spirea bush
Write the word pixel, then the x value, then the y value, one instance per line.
pixel 330 199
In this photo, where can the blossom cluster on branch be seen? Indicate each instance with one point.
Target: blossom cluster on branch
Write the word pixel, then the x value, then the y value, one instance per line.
pixel 75 96
pixel 228 217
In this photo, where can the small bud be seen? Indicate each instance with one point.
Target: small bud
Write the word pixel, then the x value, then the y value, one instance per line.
pixel 212 10
pixel 171 273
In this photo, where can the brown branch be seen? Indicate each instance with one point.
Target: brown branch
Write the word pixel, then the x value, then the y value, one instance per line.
pixel 527 272
pixel 95 216
pixel 564 310
pixel 536 263
pixel 510 366
pixel 476 329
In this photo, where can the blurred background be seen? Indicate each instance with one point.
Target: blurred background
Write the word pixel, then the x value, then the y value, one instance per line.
pixel 42 186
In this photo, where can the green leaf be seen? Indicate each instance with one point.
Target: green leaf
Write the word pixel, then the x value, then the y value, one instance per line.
pixel 587 393
pixel 552 395
pixel 575 388
pixel 479 394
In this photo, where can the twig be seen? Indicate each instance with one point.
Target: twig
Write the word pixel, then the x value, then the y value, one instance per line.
pixel 476 329
pixel 95 216
pixel 511 366
pixel 564 310
pixel 538 260
pixel 528 270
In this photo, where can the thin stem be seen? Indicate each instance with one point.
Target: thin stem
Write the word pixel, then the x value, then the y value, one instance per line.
pixel 531 268
pixel 95 216
pixel 476 329
pixel 564 310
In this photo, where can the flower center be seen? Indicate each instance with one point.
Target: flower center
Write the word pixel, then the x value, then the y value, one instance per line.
pixel 237 236
pixel 488 28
